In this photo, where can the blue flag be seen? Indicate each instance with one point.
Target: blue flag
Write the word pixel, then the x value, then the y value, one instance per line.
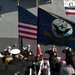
pixel 56 30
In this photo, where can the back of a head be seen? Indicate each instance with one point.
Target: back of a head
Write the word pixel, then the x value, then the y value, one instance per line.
pixel 53 46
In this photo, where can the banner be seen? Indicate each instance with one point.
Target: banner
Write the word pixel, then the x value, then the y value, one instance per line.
pixel 69 6
pixel 55 30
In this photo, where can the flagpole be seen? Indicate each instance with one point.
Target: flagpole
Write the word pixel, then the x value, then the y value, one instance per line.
pixel 18 2
pixel 20 39
pixel 35 68
pixel 37 5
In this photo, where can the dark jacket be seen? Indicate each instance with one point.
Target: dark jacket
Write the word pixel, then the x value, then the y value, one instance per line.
pixel 55 70
pixel 2 68
pixel 16 65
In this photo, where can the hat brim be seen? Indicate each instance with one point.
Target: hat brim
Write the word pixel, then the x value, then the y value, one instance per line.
pixel 15 51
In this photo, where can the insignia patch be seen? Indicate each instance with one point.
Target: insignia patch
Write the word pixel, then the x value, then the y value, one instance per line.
pixel 61 28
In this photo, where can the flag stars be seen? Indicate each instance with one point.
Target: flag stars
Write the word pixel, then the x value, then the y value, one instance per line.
pixel 27 17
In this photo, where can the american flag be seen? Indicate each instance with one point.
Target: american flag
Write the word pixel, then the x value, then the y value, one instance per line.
pixel 27 25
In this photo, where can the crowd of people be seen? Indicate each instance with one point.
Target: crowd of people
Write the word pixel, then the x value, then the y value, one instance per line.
pixel 23 62
pixel 13 61
pixel 57 66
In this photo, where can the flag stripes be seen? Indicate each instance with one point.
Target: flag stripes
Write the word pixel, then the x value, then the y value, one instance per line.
pixel 27 31
pixel 69 6
pixel 27 25
pixel 27 37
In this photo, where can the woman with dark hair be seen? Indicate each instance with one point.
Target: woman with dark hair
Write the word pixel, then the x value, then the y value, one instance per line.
pixel 69 69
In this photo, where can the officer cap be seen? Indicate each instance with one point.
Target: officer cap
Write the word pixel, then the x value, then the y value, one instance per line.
pixel 9 47
pixel 15 51
pixel 28 45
